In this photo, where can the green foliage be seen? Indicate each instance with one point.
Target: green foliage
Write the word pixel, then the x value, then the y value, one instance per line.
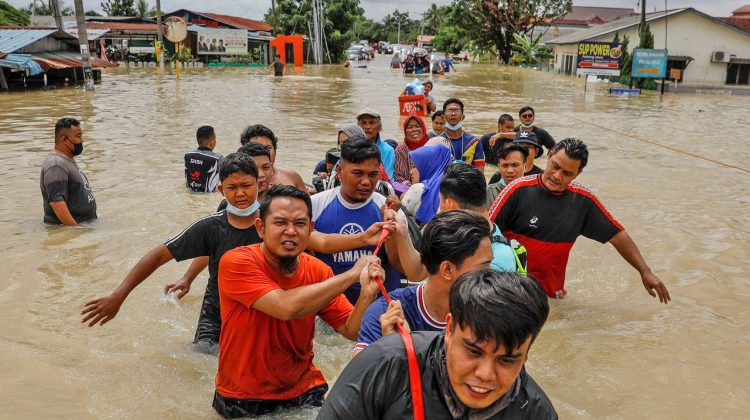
pixel 92 12
pixel 118 7
pixel 339 18
pixel 528 50
pixel 47 9
pixel 627 60
pixel 9 15
pixel 647 41
pixel 449 39
pixel 142 8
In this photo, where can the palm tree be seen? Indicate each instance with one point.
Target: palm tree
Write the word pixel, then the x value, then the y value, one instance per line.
pixel 142 8
pixel 434 17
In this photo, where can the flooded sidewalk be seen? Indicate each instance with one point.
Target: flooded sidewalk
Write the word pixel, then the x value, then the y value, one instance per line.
pixel 675 173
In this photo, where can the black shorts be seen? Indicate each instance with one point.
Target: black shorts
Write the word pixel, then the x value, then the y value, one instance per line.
pixel 278 74
pixel 230 408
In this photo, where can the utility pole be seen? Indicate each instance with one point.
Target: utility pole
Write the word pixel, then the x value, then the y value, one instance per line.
pixel 83 40
pixel 275 19
pixel 398 36
pixel 160 32
pixel 642 26
pixel 316 29
pixel 57 13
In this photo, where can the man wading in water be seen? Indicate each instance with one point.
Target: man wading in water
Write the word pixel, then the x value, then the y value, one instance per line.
pixel 548 212
pixel 270 295
pixel 278 66
pixel 474 370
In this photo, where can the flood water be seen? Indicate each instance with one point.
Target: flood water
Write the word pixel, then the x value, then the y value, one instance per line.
pixel 608 350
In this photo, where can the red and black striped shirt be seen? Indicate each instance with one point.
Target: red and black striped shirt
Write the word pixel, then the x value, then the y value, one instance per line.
pixel 548 223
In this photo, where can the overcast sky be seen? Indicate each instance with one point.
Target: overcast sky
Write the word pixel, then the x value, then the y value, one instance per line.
pixel 377 9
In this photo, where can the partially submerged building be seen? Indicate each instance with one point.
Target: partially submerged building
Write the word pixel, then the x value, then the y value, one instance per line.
pixel 708 52
pixel 39 56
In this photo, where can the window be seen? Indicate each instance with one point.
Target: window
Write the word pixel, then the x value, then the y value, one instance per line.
pixel 738 74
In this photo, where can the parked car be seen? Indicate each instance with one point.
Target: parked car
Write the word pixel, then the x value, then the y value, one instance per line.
pixel 356 53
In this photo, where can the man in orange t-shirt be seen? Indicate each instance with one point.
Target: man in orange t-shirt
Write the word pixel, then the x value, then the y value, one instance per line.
pixel 269 295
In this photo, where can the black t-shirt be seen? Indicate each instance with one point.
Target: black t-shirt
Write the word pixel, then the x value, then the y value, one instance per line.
pixel 535 170
pixel 375 385
pixel 278 68
pixel 545 139
pixel 210 236
pixel 409 66
pixel 202 169
pixel 548 224
pixel 491 152
pixel 62 180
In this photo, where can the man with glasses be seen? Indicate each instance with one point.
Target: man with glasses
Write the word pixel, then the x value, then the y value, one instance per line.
pixel 465 147
pixel 527 116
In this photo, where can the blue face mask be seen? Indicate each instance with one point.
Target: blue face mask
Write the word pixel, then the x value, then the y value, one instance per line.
pixel 453 127
pixel 243 212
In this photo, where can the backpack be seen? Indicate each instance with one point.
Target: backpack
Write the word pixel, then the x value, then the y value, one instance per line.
pixel 518 250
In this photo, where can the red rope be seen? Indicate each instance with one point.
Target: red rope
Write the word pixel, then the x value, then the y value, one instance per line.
pixel 415 377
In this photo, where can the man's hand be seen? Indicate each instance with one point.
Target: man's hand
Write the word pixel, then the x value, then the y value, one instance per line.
pixel 371 236
pixel 181 287
pixel 101 309
pixel 654 287
pixel 393 315
pixel 372 269
pixel 495 138
pixel 323 175
pixel 393 202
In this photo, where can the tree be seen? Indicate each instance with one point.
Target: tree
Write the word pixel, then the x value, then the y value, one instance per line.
pixel 647 41
pixel 47 9
pixel 9 15
pixel 92 12
pixel 527 49
pixel 118 7
pixel 338 21
pixel 435 17
pixel 449 40
pixel 142 8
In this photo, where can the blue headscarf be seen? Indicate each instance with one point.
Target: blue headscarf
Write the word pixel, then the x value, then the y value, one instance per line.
pixel 431 162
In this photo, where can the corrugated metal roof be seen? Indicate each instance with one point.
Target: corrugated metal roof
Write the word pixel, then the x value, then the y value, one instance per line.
pixel 238 22
pixel 21 62
pixel 92 34
pixel 64 60
pixel 15 39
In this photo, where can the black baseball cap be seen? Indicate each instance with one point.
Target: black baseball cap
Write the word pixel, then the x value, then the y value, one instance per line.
pixel 528 137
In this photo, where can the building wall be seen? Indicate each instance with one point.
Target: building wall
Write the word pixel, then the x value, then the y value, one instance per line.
pixel 692 35
pixel 49 44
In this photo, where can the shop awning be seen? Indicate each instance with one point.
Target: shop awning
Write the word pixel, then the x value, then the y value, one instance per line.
pixel 737 60
pixel 64 60
pixel 681 58
pixel 22 62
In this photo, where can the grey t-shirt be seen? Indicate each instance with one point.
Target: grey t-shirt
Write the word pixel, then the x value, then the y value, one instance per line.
pixel 62 180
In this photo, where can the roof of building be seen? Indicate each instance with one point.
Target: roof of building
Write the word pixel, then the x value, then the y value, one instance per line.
pixel 742 23
pixel 13 38
pixel 742 10
pixel 91 34
pixel 22 62
pixel 596 14
pixel 142 28
pixel 67 59
pixel 239 22
pixel 629 22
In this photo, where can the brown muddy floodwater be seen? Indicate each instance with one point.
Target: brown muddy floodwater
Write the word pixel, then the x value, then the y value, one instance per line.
pixel 607 351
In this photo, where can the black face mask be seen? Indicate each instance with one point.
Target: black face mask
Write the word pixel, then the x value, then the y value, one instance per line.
pixel 77 148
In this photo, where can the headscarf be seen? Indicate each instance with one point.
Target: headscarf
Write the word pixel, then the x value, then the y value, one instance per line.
pixel 351 130
pixel 422 142
pixel 431 162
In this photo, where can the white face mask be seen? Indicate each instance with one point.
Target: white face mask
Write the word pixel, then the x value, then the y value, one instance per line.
pixel 454 127
pixel 243 212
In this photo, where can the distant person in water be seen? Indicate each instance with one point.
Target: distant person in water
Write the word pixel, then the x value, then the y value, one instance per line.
pixel 202 164
pixel 270 296
pixel 210 236
pixel 278 66
pixel 66 193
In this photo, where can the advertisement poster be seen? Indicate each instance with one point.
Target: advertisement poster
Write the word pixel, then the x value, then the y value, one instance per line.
pixel 649 63
pixel 213 41
pixel 599 58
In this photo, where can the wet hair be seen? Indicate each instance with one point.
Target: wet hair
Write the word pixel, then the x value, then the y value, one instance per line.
pixel 504 308
pixel 513 147
pixel 453 101
pixel 575 149
pixel 504 118
pixel 284 191
pixel 257 130
pixel 237 162
pixel 65 123
pixel 452 236
pixel 464 184
pixel 358 149
pixel 204 134
pixel 524 109
pixel 438 114
pixel 254 149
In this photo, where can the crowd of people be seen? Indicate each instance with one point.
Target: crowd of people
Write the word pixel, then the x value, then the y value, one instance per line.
pixel 468 266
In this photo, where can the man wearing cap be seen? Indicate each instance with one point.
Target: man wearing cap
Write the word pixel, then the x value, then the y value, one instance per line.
pixel 369 121
pixel 529 140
